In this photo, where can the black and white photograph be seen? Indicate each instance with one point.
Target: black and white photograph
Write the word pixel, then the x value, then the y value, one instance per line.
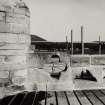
pixel 52 52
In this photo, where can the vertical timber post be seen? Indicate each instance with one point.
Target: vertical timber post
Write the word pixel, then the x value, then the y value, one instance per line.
pixel 72 42
pixel 99 45
pixel 82 42
pixel 67 43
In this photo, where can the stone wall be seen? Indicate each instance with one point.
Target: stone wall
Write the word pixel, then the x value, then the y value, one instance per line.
pixel 14 40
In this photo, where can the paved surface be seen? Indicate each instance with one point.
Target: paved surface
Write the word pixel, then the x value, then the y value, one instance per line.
pixel 85 97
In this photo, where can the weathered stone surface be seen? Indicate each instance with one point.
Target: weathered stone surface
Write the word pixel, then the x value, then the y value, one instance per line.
pixel 14 46
pixel 14 6
pixel 4 74
pixel 13 52
pixel 14 28
pixel 2 16
pixel 14 38
pixel 21 11
pixel 7 67
pixel 17 19
pixel 18 78
pixel 12 59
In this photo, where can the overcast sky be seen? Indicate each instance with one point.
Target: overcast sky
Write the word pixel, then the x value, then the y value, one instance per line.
pixel 53 19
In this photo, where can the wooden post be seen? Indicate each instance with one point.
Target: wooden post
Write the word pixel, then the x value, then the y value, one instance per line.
pixel 67 43
pixel 82 40
pixel 72 42
pixel 99 45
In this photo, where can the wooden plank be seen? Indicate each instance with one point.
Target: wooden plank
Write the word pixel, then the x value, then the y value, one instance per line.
pixel 22 102
pixel 77 98
pixel 56 98
pixel 87 97
pixel 67 98
pixel 34 99
pixel 12 99
pixel 72 98
pixel 99 95
pixel 18 99
pixel 93 98
pixel 29 99
pixel 103 90
pixel 40 97
pixel 45 97
pixel 24 98
pixel 61 98
pixel 82 98
pixel 50 100
pixel 6 100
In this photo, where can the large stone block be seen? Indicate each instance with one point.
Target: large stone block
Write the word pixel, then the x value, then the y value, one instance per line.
pixel 12 67
pixel 22 11
pixel 18 28
pixel 13 59
pixel 13 52
pixel 14 18
pixel 2 8
pixel 4 74
pixel 2 16
pixel 14 28
pixel 14 38
pixel 13 8
pixel 13 46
